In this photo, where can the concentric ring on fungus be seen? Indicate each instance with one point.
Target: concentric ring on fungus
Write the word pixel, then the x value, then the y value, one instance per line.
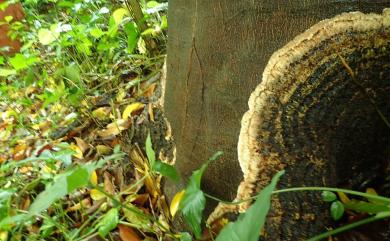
pixel 311 118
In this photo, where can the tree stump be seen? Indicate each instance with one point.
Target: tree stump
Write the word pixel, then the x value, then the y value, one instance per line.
pixel 308 116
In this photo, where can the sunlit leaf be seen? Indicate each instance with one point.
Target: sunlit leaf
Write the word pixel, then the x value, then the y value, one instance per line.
pixel 248 225
pixel 101 113
pixel 93 179
pixel 96 194
pixel 176 202
pixel 78 152
pixel 131 108
pixel 149 151
pixel 7 72
pixel 108 222
pixel 119 14
pixel 46 36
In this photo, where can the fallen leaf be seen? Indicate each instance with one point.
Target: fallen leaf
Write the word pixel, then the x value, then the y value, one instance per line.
pixel 101 113
pixel 343 197
pixel 79 153
pixel 96 194
pixel 94 178
pixel 114 128
pixel 85 203
pixel 103 150
pixel 19 152
pixel 83 146
pixel 108 185
pixel 176 202
pixel 127 233
pixel 131 108
pixel 150 110
pixel 150 90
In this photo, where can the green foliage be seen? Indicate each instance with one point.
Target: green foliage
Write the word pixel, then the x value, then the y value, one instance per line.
pixel 158 166
pixel 336 210
pixel 328 196
pixel 194 200
pixel 108 222
pixel 249 224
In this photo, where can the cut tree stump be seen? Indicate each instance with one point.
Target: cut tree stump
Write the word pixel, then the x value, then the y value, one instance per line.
pixel 308 115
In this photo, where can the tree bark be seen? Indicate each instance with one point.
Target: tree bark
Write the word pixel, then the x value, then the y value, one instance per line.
pixel 217 51
pixel 16 11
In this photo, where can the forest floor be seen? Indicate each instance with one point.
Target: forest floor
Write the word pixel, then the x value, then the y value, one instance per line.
pixel 77 106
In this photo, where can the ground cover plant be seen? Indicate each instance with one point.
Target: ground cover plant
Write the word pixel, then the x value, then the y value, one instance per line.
pixel 77 156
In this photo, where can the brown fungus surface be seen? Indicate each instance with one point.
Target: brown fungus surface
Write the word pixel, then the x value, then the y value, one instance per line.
pixel 314 118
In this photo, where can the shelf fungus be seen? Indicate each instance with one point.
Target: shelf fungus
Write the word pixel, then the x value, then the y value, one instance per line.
pixel 321 113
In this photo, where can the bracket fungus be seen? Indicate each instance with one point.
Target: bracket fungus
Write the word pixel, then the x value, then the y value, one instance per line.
pixel 319 113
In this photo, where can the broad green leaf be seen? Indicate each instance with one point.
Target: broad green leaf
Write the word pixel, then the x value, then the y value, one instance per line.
pixel 152 4
pixel 149 151
pixel 164 22
pixel 328 196
pixel 7 72
pixel 166 170
pixel 132 36
pixel 248 225
pixel 194 201
pixel 63 185
pixel 366 207
pixel 96 32
pixel 119 14
pixel 108 222
pixel 336 210
pixel 52 193
pixel 1 60
pixel 185 237
pixel 46 36
pixel 78 178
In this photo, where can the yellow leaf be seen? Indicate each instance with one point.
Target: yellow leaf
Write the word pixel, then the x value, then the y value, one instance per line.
pixel 103 150
pixel 81 144
pixel 101 113
pixel 176 202
pixel 121 95
pixel 119 14
pixel 79 153
pixel 96 194
pixel 115 128
pixel 131 108
pixel 343 197
pixel 3 235
pixel 371 191
pixel 93 179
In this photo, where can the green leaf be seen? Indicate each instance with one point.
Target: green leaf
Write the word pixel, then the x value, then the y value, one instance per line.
pixel 46 36
pixel 119 14
pixel 132 36
pixel 19 61
pixel 366 207
pixel 152 4
pixel 63 185
pixel 166 170
pixel 108 222
pixel 1 60
pixel 185 237
pixel 78 178
pixel 52 193
pixel 194 201
pixel 337 210
pixel 96 32
pixel 164 22
pixel 7 72
pixel 149 151
pixel 249 224
pixel 328 196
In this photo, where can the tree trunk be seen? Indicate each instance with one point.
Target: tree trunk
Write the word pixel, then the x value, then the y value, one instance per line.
pixel 217 51
pixel 7 45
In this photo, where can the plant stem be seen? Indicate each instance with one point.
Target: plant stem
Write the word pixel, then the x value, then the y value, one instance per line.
pixel 348 227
